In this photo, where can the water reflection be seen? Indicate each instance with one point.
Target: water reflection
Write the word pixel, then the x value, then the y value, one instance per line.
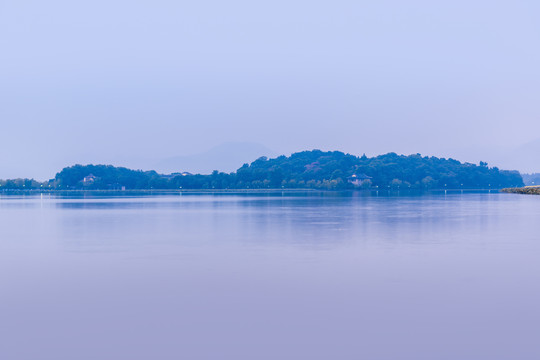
pixel 266 276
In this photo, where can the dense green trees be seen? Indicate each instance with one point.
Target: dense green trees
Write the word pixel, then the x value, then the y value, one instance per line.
pixel 308 169
pixel 318 169
pixel 107 177
pixel 22 184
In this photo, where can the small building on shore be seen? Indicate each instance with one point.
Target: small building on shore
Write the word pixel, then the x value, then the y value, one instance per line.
pixel 89 180
pixel 173 175
pixel 358 179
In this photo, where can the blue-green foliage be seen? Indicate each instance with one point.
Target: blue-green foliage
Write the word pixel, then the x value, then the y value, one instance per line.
pixel 318 169
pixel 307 169
pixel 107 177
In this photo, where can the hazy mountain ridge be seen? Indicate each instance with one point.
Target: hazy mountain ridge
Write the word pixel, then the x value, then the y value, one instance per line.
pixel 226 157
pixel 524 157
pixel 531 179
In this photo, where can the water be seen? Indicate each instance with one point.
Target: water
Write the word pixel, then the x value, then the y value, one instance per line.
pixel 270 276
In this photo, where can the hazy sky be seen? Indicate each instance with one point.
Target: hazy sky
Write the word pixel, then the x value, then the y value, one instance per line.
pixel 116 81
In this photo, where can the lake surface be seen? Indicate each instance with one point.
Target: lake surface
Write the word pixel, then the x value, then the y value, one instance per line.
pixel 270 276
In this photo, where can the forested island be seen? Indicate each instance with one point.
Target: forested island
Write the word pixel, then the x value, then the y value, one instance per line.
pixel 324 170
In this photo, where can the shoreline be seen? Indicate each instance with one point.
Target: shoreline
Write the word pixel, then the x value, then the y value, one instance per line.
pixel 526 190
pixel 253 191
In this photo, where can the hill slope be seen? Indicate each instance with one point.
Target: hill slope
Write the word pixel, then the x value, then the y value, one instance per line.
pixel 308 169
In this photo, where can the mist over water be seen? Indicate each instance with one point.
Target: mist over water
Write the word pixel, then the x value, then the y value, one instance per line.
pixel 131 83
pixel 288 276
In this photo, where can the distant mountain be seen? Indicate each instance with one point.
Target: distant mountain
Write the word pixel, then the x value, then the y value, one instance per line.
pixel 531 179
pixel 525 158
pixel 226 157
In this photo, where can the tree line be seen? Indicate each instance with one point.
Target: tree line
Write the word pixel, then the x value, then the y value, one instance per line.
pixel 316 169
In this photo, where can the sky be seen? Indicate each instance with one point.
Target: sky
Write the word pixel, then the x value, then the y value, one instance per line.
pixel 131 82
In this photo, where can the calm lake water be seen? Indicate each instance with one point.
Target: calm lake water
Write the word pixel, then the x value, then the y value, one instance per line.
pixel 270 276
